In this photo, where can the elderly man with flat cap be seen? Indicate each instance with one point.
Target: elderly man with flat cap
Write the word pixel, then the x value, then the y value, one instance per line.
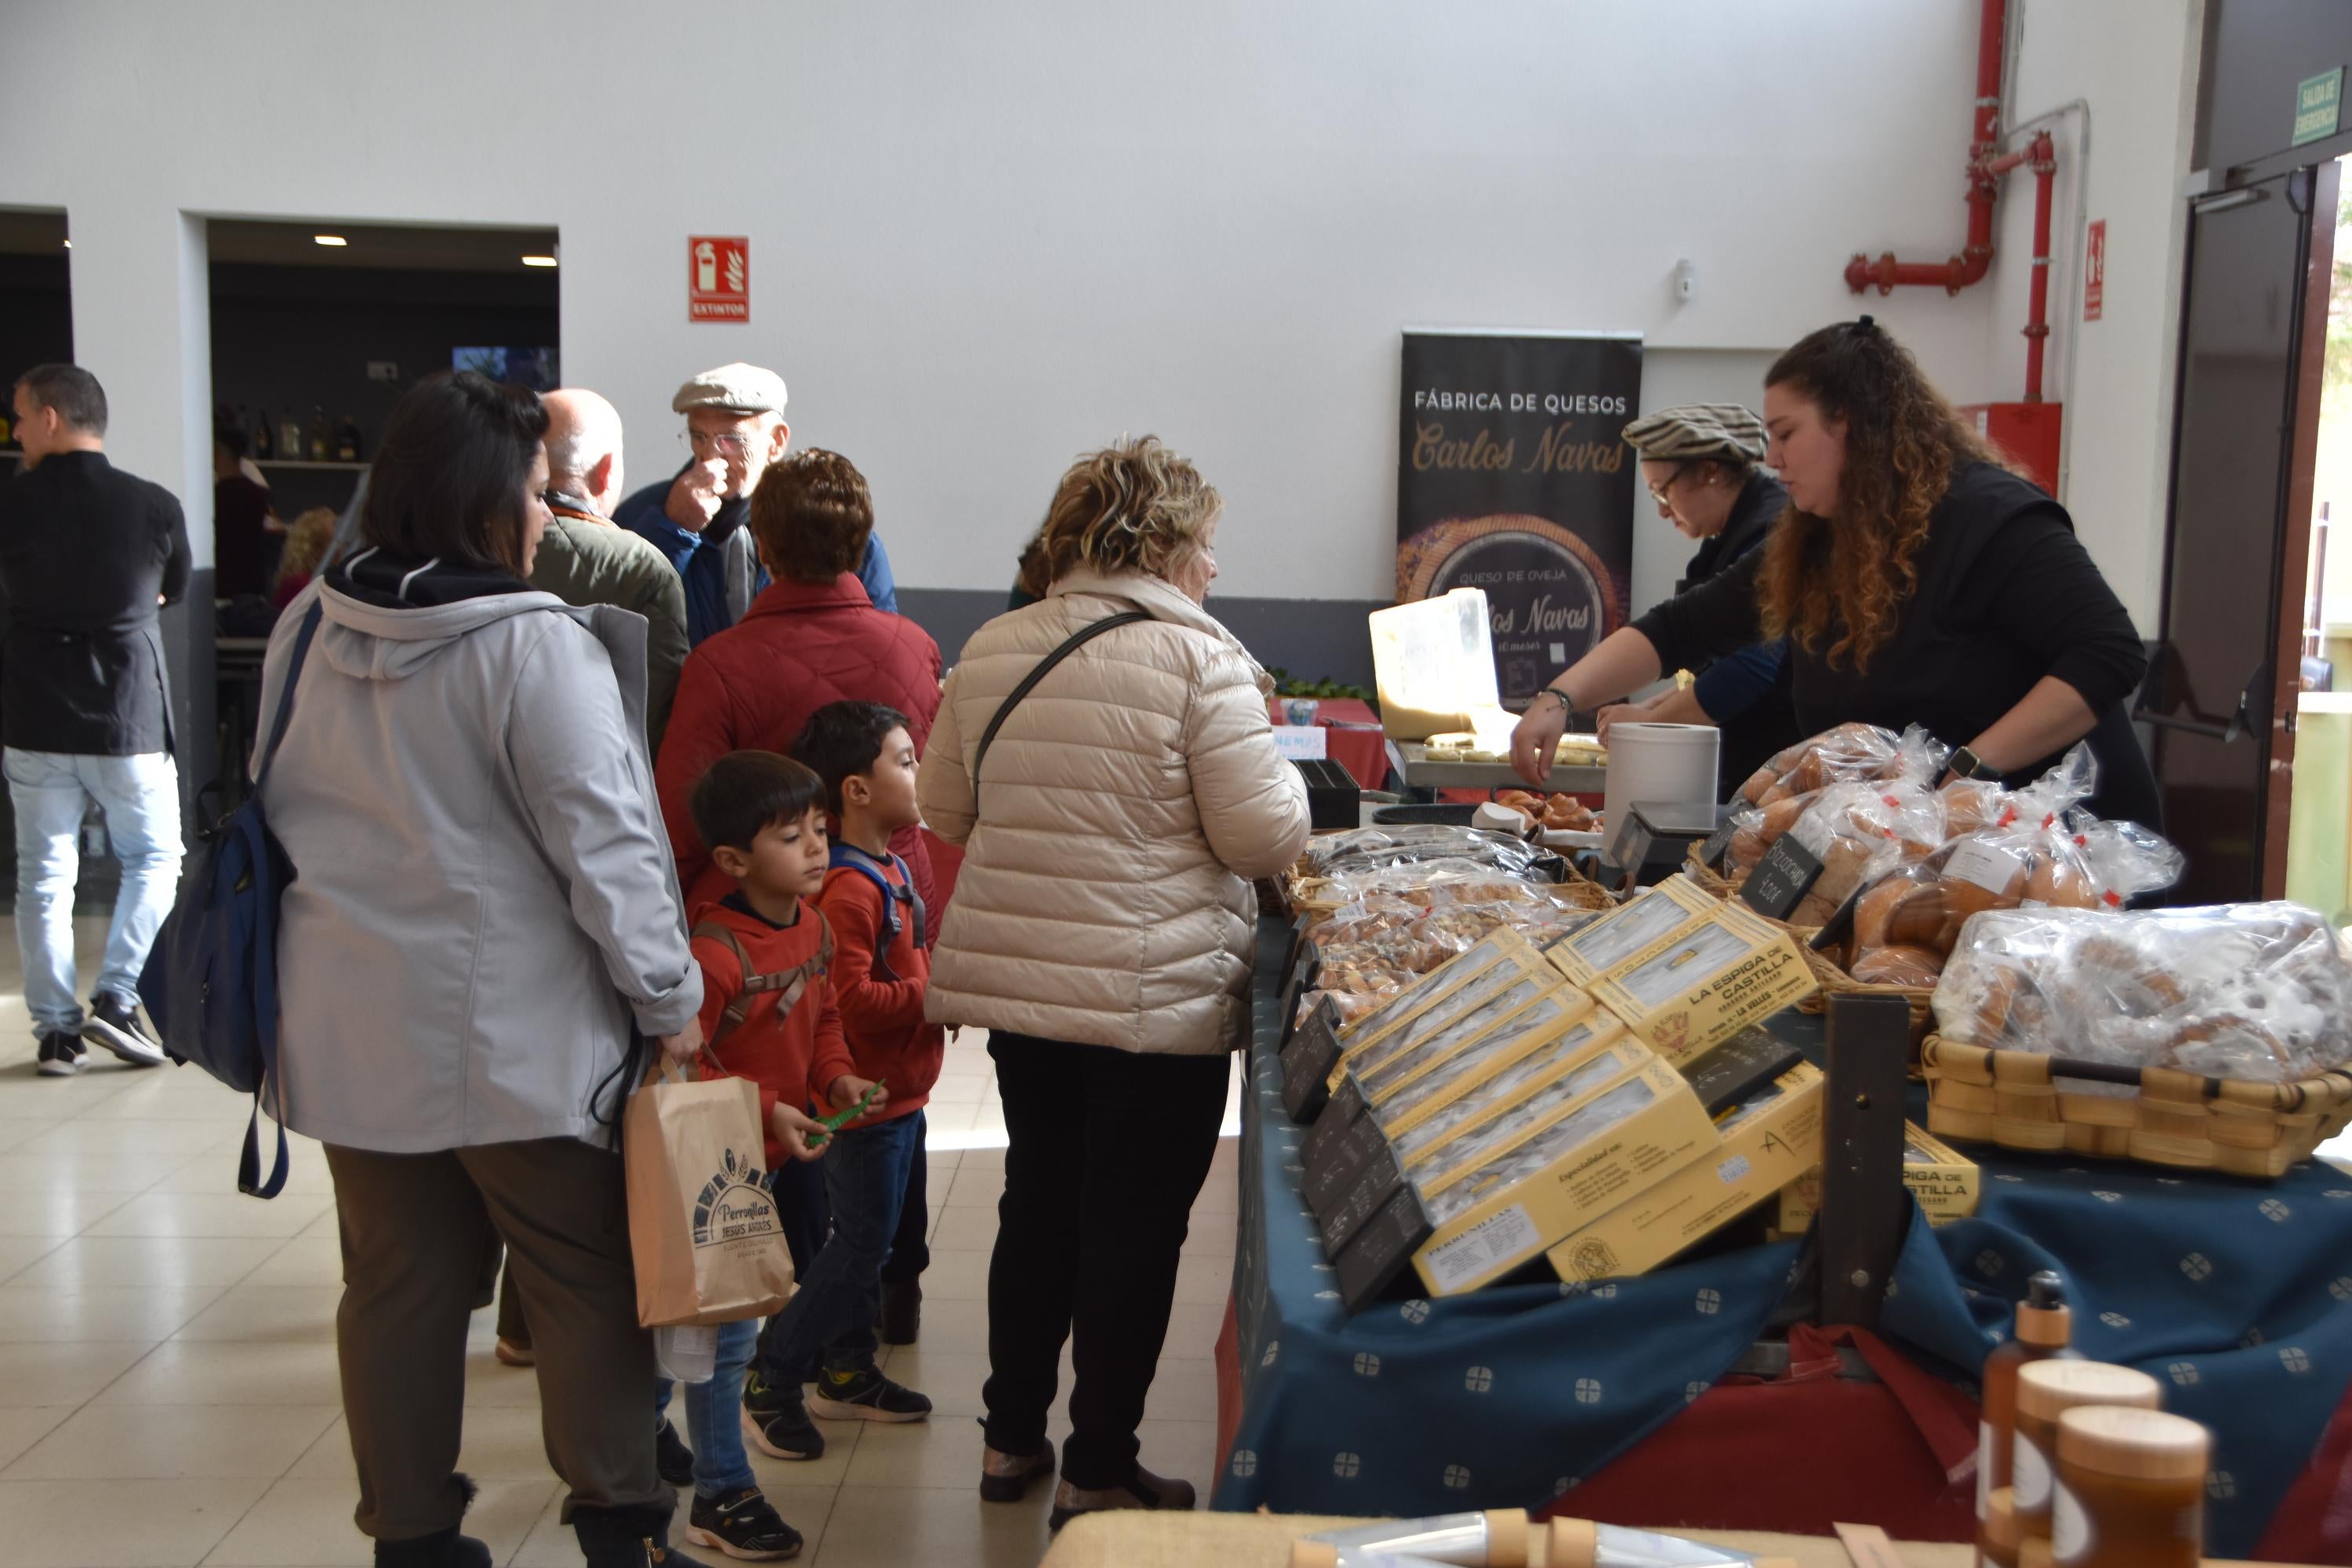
pixel 734 430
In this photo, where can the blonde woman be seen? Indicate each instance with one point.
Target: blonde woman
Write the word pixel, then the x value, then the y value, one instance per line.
pixel 1103 932
pixel 306 542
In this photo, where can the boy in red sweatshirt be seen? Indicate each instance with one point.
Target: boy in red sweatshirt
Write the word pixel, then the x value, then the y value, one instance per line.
pixel 880 969
pixel 768 1012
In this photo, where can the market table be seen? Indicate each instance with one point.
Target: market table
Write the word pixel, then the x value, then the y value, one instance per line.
pixel 2236 1295
pixel 1355 741
pixel 1263 1541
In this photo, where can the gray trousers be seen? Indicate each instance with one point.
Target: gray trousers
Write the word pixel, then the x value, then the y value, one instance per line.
pixel 416 1230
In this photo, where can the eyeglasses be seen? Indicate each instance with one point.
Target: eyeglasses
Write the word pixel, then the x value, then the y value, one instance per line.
pixel 733 442
pixel 1658 493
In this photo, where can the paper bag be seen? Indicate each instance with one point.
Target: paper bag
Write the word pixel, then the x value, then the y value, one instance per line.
pixel 708 1244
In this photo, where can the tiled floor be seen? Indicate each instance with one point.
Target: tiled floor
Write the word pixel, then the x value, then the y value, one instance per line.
pixel 168 1390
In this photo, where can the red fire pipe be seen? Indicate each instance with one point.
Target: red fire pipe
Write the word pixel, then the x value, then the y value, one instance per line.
pixel 1984 182
pixel 2044 157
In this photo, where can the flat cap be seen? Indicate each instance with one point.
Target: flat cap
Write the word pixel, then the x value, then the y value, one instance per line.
pixel 1698 430
pixel 740 387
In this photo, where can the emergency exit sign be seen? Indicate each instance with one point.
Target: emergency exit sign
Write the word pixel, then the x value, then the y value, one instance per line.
pixel 2318 106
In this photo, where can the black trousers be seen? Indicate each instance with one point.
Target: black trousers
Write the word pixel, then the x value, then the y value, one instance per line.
pixel 1107 1149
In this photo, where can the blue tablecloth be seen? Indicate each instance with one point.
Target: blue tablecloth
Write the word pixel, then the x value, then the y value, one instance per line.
pixel 2236 1295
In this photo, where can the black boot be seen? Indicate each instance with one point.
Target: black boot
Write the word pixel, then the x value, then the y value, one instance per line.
pixel 442 1549
pixel 628 1538
pixel 902 1311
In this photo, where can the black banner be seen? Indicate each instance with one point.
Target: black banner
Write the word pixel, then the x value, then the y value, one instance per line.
pixel 1511 477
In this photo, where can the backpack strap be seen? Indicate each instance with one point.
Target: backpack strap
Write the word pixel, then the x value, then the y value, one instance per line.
pixel 1044 667
pixel 791 983
pixel 894 894
pixel 302 640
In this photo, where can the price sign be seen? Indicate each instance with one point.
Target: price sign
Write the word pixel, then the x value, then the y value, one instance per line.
pixel 1717 845
pixel 1370 1194
pixel 1308 1061
pixel 1782 880
pixel 1347 1104
pixel 1383 1248
pixel 1304 971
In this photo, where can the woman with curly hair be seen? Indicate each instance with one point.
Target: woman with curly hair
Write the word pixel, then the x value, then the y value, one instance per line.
pixel 1917 580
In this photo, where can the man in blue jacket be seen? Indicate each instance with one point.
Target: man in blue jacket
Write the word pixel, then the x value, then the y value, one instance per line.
pixel 734 430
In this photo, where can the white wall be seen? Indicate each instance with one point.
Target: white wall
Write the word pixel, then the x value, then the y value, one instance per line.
pixel 984 237
pixel 2134 64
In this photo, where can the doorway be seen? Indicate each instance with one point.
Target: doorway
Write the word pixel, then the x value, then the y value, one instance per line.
pixel 2223 697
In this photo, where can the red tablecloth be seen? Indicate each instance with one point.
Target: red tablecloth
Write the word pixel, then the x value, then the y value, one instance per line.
pixel 1356 741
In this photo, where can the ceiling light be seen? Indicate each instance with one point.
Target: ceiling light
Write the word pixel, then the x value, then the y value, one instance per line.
pixel 539 261
pixel 334 239
pixel 70 245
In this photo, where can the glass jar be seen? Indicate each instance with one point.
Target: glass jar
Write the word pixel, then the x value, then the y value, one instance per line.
pixel 2130 1491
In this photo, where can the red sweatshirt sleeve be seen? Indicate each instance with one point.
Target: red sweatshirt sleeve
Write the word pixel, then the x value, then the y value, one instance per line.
pixel 722 982
pixel 869 1006
pixel 832 1059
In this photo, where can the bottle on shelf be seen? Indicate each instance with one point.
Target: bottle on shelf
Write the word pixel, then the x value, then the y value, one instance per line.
pixel 347 441
pixel 2044 1326
pixel 321 438
pixel 263 447
pixel 290 441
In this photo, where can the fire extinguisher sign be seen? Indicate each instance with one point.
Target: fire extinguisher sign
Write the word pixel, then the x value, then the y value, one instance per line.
pixel 717 277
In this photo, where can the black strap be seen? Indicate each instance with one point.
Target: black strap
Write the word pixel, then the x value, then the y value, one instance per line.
pixel 286 696
pixel 1077 639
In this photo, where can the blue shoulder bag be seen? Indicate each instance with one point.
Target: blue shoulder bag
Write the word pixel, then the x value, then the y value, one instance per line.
pixel 211 980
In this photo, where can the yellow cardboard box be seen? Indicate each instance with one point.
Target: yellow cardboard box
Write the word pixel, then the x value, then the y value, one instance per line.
pixel 1521 1015
pixel 1591 1055
pixel 1703 984
pixel 1432 987
pixel 1496 1210
pixel 1520 977
pixel 1648 917
pixel 1553 1042
pixel 1757 1148
pixel 1945 1183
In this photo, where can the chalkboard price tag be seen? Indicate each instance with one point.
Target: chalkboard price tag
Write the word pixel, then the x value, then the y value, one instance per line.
pixel 1782 880
pixel 1369 1194
pixel 1306 968
pixel 1382 1250
pixel 1717 845
pixel 1308 1061
pixel 1332 1125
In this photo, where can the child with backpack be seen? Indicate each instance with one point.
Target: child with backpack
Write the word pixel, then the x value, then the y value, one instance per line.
pixel 881 968
pixel 768 1011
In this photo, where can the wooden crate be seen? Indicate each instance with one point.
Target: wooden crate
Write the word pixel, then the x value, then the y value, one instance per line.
pixel 2169 1118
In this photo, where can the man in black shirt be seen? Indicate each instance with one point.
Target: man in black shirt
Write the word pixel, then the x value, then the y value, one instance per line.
pixel 87 554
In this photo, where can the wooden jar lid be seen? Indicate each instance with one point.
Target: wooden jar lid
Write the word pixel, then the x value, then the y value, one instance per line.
pixel 2048 1389
pixel 2000 1519
pixel 2144 1444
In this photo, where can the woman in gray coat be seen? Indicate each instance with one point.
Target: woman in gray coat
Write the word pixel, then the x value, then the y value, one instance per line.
pixel 482 911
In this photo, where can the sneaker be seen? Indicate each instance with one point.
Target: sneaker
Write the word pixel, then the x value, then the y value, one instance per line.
pixel 60 1054
pixel 902 1311
pixel 778 1423
pixel 672 1458
pixel 1006 1477
pixel 863 1394
pixel 113 1022
pixel 1143 1490
pixel 517 1352
pixel 744 1526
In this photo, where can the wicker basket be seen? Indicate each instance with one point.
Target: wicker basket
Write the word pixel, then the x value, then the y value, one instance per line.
pixel 1709 881
pixel 2241 1129
pixel 1836 981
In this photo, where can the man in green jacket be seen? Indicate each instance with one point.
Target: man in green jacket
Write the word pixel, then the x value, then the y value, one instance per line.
pixel 587 559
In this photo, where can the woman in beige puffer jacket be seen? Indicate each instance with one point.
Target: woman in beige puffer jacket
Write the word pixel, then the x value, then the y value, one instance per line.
pixel 1102 931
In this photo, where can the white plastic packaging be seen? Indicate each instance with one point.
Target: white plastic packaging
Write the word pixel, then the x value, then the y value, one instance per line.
pixel 686 1353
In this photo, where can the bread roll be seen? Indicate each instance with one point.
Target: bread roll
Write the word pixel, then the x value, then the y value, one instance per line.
pixel 2061 881
pixel 1898 966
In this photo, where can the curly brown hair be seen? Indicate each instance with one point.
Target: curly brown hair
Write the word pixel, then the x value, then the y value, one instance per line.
pixel 813 515
pixel 1135 506
pixel 1847 576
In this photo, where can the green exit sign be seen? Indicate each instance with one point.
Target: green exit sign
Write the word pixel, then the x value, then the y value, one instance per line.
pixel 2318 103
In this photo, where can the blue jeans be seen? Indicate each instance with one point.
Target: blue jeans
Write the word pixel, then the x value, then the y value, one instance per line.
pixel 139 796
pixel 831 1315
pixel 714 1414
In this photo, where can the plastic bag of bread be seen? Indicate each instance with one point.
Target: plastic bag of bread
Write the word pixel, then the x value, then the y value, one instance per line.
pixel 1842 755
pixel 1860 832
pixel 1369 849
pixel 2259 992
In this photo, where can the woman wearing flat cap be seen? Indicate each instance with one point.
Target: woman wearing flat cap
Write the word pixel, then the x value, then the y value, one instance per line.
pixel 1701 465
pixel 1917 579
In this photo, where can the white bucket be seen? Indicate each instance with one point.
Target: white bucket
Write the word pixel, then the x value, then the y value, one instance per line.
pixel 1658 762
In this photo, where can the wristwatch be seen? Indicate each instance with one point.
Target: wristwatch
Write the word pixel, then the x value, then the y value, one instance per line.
pixel 1967 765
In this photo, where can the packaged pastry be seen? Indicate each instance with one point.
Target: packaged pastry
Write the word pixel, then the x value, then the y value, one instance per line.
pixel 1847 752
pixel 2258 992
pixel 1860 832
pixel 1372 848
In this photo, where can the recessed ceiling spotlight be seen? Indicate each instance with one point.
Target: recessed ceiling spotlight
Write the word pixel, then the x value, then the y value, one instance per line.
pixel 334 239
pixel 539 261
